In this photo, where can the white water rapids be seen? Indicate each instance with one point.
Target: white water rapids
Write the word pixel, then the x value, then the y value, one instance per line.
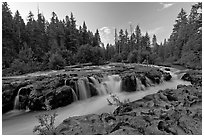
pixel 18 122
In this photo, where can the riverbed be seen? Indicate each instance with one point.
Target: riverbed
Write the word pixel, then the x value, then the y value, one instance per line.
pixel 18 122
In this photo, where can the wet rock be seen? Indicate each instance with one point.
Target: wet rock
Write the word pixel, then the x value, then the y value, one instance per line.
pixel 36 102
pixel 167 76
pixel 154 75
pixel 195 77
pixel 129 83
pixel 167 69
pixel 62 97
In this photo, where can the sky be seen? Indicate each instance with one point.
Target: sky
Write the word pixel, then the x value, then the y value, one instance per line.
pixel 152 17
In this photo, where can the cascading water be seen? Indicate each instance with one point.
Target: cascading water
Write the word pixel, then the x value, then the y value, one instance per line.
pixel 111 84
pixel 97 85
pixel 16 101
pixel 65 82
pixel 149 82
pixel 83 87
pixel 74 95
pixel 140 86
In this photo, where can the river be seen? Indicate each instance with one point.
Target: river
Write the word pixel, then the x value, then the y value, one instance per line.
pixel 18 122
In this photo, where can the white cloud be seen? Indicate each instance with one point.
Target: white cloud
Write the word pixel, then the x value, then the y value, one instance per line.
pixel 165 6
pixel 105 30
pixel 106 35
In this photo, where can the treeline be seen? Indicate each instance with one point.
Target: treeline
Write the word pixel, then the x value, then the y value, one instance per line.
pixel 184 47
pixel 41 45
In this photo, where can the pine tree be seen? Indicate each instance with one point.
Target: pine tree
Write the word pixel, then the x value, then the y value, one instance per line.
pixel 132 41
pixel 19 31
pixel 85 35
pixel 180 33
pixel 154 44
pixel 138 37
pixel 8 43
pixel 192 50
pixel 121 40
pixel 96 39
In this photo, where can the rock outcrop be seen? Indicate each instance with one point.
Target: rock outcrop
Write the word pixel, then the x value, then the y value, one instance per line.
pixel 195 77
pixel 168 112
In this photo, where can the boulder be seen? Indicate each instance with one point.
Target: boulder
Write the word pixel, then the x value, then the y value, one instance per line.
pixel 167 76
pixel 129 83
pixel 62 97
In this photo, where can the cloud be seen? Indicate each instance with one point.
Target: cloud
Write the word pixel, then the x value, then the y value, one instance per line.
pixel 105 30
pixel 155 30
pixel 165 5
pixel 107 35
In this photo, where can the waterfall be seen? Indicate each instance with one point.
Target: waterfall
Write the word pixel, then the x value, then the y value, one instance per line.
pixel 84 89
pixel 16 101
pixel 86 82
pixel 162 79
pixel 112 84
pixel 140 86
pixel 98 86
pixel 76 88
pixel 180 75
pixel 65 82
pixel 149 82
pixel 74 95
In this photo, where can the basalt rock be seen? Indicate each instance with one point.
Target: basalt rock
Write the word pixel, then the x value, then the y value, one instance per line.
pixel 62 97
pixel 195 77
pixel 10 91
pixel 168 112
pixel 167 76
pixel 129 83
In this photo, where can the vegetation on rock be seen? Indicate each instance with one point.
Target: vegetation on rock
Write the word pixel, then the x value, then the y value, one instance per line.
pixel 46 124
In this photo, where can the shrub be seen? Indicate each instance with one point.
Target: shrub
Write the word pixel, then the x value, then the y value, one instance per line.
pixel 25 62
pixel 133 57
pixel 98 56
pixel 56 61
pixel 46 124
pixel 84 54
pixel 117 58
pixel 87 53
pixel 68 56
pixel 116 101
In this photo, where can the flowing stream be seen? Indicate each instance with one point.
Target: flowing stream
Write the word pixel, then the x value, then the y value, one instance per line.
pixel 19 122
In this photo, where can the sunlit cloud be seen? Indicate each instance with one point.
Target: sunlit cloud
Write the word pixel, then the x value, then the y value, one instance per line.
pixel 107 35
pixel 165 5
pixel 105 30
